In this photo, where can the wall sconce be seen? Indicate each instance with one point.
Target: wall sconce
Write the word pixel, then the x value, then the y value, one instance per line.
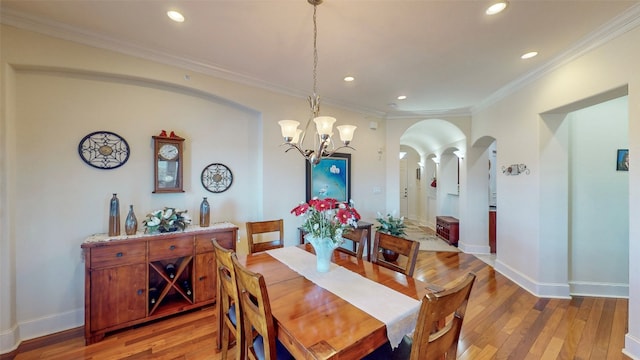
pixel 515 169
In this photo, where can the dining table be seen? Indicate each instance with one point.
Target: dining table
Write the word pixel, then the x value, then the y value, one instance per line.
pixel 345 313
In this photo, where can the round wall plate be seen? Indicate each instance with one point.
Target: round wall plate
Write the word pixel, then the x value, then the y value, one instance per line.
pixel 104 150
pixel 216 178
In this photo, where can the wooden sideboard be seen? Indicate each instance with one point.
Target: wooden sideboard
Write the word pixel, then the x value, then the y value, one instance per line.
pixel 126 283
pixel 447 227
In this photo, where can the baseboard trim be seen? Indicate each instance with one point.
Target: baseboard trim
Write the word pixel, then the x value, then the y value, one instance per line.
pixel 543 290
pixel 40 327
pixel 610 290
pixel 42 341
pixel 631 347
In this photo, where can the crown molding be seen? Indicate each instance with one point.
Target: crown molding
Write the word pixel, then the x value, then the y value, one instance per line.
pixel 623 23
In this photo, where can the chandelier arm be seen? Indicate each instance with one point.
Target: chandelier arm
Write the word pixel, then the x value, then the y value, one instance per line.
pixel 294 146
pixel 325 154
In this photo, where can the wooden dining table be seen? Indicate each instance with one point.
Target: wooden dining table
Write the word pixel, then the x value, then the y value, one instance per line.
pixel 314 323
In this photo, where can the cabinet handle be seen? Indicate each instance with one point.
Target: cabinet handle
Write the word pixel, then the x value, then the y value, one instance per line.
pixel 140 291
pixel 201 278
pixel 172 247
pixel 119 254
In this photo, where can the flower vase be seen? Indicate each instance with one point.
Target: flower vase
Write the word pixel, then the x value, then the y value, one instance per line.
pixel 131 223
pixel 323 248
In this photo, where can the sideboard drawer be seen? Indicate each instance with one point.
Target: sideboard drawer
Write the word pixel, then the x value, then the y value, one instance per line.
pixel 170 248
pixel 117 255
pixel 224 238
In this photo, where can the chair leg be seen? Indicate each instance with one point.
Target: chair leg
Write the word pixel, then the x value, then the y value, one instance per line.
pixel 225 341
pixel 219 327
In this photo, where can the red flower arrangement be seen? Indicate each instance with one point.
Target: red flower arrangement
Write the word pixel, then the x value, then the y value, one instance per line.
pixel 327 218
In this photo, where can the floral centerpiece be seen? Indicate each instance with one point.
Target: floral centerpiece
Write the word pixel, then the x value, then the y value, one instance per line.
pixel 166 220
pixel 324 222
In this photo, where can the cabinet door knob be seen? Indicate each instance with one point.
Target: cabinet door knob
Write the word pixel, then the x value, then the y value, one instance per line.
pixel 201 278
pixel 119 254
pixel 172 247
pixel 140 291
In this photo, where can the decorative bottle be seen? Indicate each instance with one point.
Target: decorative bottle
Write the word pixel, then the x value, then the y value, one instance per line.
pixel 131 223
pixel 114 216
pixel 204 213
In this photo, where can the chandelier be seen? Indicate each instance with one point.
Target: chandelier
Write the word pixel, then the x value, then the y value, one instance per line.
pixel 323 142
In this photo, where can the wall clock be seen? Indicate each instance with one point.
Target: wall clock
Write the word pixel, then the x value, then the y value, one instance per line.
pixel 167 164
pixel 104 150
pixel 216 178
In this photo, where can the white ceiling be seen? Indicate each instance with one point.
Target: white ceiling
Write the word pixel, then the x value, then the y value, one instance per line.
pixel 446 56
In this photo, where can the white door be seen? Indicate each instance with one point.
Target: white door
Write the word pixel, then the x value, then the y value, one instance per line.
pixel 404 196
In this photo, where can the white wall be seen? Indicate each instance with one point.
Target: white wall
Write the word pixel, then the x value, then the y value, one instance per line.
pixel 54 92
pixel 532 227
pixel 599 200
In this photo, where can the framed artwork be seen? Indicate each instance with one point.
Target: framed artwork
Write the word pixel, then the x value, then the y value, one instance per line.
pixel 622 160
pixel 330 178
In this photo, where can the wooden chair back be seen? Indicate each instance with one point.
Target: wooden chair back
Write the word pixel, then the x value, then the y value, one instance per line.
pixel 228 308
pixel 355 238
pixel 405 247
pixel 256 312
pixel 440 322
pixel 258 230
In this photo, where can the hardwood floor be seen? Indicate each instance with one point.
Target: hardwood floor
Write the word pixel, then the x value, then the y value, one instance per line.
pixel 503 322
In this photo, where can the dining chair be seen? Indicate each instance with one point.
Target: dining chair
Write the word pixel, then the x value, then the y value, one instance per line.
pixel 439 324
pixel 258 325
pixel 257 231
pixel 406 247
pixel 358 238
pixel 229 318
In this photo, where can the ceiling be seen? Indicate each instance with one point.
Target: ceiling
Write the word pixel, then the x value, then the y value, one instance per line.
pixel 446 56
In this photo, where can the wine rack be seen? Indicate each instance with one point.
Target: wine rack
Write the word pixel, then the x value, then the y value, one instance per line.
pixel 123 275
pixel 171 294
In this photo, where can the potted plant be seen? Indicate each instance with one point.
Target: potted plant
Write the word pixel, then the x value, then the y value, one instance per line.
pixel 392 225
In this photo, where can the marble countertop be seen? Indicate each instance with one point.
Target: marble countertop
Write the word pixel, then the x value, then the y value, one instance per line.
pixel 140 234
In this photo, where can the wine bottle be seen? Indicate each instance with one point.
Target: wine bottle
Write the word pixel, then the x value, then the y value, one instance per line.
pixel 186 286
pixel 153 296
pixel 170 270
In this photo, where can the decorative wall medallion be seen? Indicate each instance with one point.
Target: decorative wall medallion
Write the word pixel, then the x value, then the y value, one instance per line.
pixel 104 150
pixel 216 178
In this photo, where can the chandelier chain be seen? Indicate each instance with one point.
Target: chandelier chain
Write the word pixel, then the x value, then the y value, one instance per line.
pixel 315 51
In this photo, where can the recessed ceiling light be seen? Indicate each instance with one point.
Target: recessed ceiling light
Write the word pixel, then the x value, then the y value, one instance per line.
pixel 496 8
pixel 529 55
pixel 402 97
pixel 349 78
pixel 175 16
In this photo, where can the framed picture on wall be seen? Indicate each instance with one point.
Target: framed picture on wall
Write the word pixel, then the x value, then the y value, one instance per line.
pixel 622 160
pixel 330 178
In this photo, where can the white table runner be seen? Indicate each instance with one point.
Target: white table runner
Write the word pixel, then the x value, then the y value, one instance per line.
pixel 396 310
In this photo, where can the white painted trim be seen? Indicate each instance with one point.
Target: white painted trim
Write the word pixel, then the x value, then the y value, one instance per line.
pixel 581 288
pixel 9 340
pixel 474 249
pixel 35 328
pixel 544 290
pixel 631 347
